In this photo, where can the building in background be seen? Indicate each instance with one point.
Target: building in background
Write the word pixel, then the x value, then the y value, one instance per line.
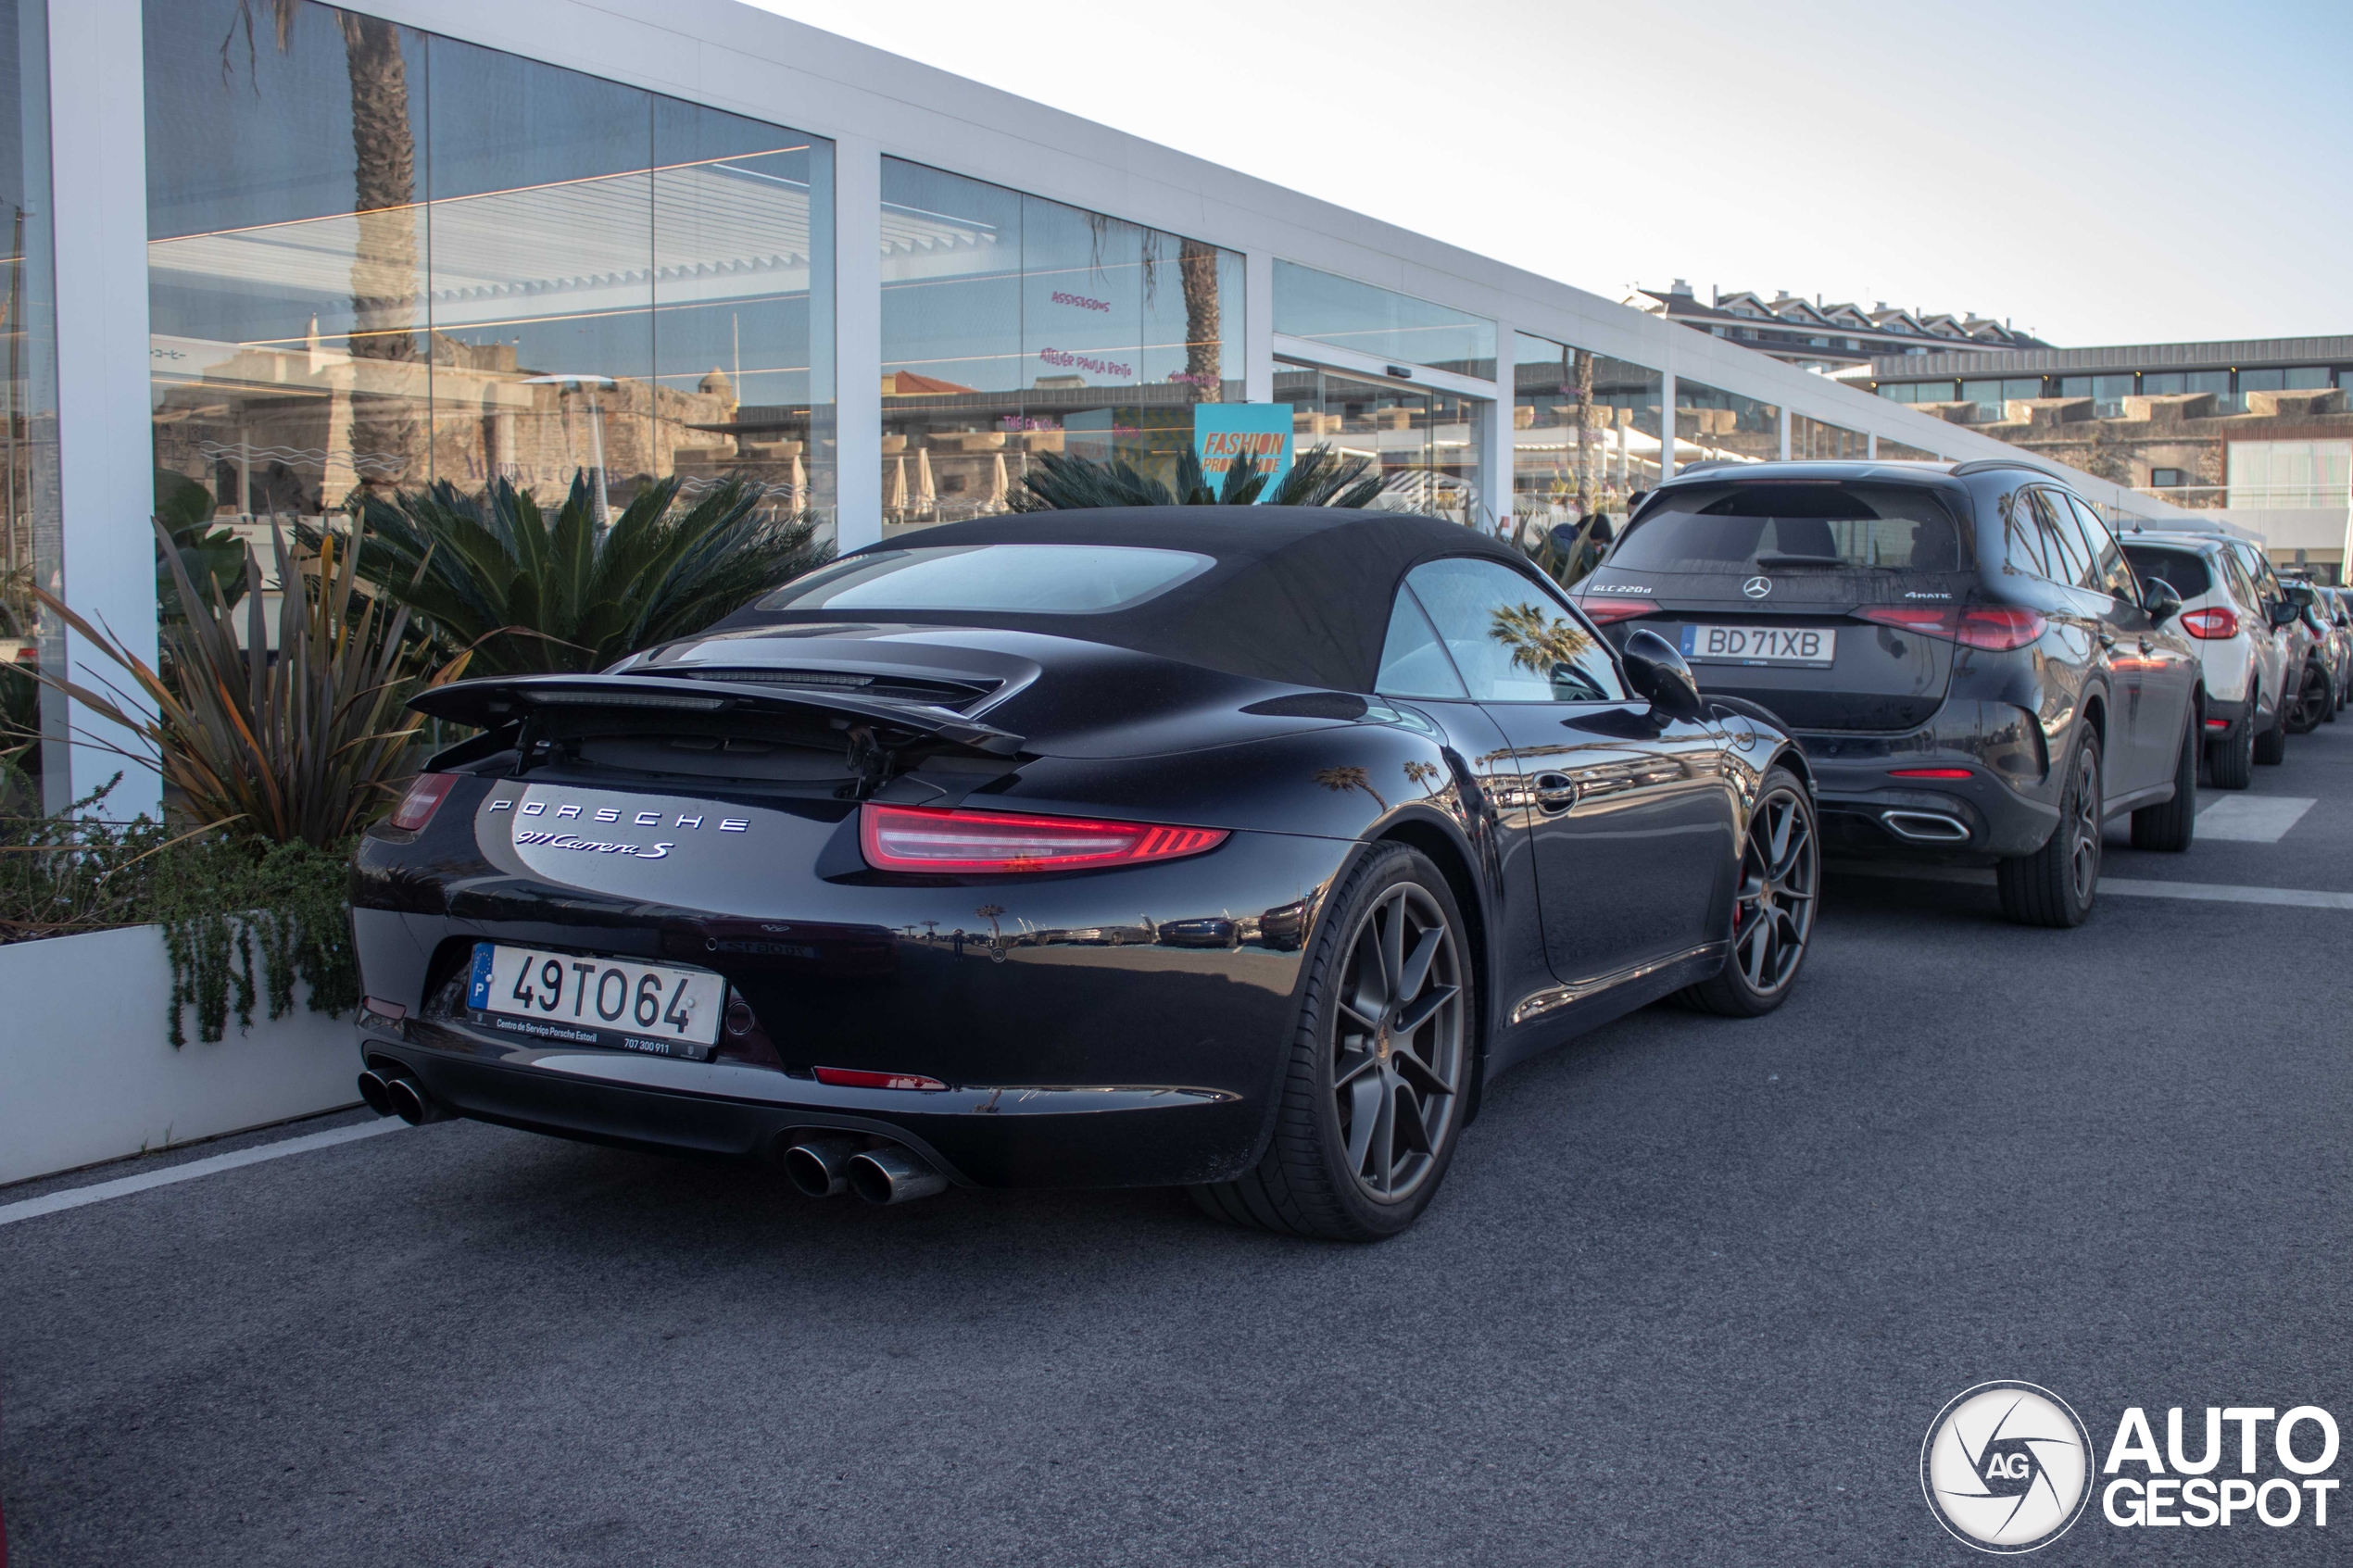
pixel 2256 433
pixel 299 253
pixel 1834 338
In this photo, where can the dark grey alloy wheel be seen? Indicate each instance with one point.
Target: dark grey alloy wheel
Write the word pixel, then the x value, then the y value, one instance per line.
pixel 1374 1093
pixel 2230 761
pixel 1773 910
pixel 2054 885
pixel 2170 825
pixel 2313 699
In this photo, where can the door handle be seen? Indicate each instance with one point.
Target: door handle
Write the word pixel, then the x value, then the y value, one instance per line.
pixel 1556 793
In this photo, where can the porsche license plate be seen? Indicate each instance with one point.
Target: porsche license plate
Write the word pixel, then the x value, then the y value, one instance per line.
pixel 582 999
pixel 1760 644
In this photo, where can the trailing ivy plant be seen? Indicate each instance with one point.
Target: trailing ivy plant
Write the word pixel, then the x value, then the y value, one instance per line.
pixel 222 898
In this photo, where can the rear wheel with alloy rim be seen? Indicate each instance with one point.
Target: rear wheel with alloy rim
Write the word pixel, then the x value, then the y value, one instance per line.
pixel 2055 885
pixel 2313 700
pixel 2231 762
pixel 1374 1092
pixel 2270 746
pixel 1773 912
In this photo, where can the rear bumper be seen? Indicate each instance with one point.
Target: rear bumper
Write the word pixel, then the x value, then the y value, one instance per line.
pixel 1069 1136
pixel 2234 717
pixel 2000 808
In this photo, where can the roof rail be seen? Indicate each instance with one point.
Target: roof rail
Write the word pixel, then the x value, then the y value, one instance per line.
pixel 1983 465
pixel 1682 468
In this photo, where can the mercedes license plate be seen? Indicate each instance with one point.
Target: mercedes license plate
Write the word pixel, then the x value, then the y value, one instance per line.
pixel 1760 644
pixel 582 999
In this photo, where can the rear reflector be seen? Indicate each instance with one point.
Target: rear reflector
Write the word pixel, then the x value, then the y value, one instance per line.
pixel 1997 627
pixel 1930 773
pixel 425 798
pixel 2210 624
pixel 918 838
pixel 859 1078
pixel 2218 723
pixel 1603 609
pixel 383 1009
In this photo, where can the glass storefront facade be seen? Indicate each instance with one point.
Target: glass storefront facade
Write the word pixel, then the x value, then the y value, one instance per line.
pixel 2266 474
pixel 1425 442
pixel 1893 450
pixel 1014 326
pixel 1816 438
pixel 29 537
pixel 1343 313
pixel 379 259
pixel 1712 425
pixel 1585 434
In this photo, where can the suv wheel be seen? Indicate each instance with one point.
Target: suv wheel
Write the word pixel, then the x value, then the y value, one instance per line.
pixel 2230 761
pixel 2055 885
pixel 2316 697
pixel 2172 826
pixel 2270 746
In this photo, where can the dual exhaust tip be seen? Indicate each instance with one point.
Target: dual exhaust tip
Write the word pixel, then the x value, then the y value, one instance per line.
pixel 828 1167
pixel 392 1093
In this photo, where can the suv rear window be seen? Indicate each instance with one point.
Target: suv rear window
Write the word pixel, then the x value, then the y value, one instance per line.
pixel 2182 569
pixel 1788 524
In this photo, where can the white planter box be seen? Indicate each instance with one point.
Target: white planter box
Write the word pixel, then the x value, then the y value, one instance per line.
pixel 88 1071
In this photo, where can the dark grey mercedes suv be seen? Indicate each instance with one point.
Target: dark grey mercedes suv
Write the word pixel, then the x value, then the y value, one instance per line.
pixel 1964 651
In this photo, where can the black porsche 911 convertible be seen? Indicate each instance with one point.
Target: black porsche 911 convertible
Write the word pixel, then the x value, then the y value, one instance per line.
pixel 1234 847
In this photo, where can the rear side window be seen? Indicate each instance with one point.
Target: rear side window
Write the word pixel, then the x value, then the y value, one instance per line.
pixel 2186 572
pixel 1778 523
pixel 1507 639
pixel 2110 574
pixel 2065 553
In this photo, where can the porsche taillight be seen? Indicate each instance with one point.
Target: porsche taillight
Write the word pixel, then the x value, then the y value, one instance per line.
pixel 425 798
pixel 920 838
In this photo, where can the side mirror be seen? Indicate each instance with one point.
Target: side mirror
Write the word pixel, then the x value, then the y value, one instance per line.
pixel 2284 613
pixel 1659 676
pixel 2158 598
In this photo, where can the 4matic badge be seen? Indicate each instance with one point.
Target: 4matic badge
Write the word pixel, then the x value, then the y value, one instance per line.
pixel 2006 1467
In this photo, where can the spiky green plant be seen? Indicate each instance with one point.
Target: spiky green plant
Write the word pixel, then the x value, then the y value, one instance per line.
pixel 310 745
pixel 1318 477
pixel 529 593
pixel 213 555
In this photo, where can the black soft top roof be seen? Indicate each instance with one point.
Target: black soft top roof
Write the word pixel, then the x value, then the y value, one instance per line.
pixel 1299 594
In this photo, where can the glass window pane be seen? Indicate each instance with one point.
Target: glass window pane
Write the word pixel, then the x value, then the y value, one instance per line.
pixel 1818 439
pixel 1017 579
pixel 1423 443
pixel 1712 425
pixel 2163 383
pixel 2308 378
pixel 1347 314
pixel 31 546
pixel 1015 326
pixel 1511 641
pixel 1412 661
pixel 2075 386
pixel 2262 380
pixel 1584 434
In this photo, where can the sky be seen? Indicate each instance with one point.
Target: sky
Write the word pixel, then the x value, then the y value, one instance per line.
pixel 2094 171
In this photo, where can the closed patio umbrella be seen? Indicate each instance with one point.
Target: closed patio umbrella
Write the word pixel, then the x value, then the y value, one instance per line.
pixel 896 502
pixel 997 482
pixel 926 496
pixel 799 498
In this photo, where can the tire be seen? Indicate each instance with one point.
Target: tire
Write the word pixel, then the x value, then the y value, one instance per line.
pixel 1335 1169
pixel 2315 698
pixel 2171 827
pixel 2270 746
pixel 2230 761
pixel 2054 885
pixel 1773 912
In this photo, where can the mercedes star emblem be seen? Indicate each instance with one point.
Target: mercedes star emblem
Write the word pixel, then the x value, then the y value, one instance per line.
pixel 1757 587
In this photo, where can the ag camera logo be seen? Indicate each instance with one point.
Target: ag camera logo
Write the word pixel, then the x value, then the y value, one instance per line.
pixel 2006 1467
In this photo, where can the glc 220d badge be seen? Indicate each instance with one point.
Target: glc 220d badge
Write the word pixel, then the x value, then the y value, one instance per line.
pixel 2006 1467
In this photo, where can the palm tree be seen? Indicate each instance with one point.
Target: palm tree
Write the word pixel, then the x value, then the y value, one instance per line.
pixel 1319 477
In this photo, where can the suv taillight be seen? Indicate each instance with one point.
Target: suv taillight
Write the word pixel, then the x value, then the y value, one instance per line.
pixel 920 838
pixel 2210 624
pixel 425 798
pixel 1603 609
pixel 1997 627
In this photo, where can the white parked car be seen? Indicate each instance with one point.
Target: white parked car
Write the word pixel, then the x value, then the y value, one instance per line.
pixel 2246 656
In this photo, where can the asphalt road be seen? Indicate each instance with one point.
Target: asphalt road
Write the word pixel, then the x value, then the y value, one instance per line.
pixel 1692 1294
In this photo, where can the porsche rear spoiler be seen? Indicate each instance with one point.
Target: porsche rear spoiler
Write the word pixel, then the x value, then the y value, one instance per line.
pixel 494 701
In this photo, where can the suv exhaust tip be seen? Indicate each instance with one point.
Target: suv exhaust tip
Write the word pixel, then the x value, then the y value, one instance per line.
pixel 1925 827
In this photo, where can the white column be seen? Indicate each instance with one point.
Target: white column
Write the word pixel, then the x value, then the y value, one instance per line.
pixel 1871 445
pixel 98 166
pixel 1258 327
pixel 1666 422
pixel 858 339
pixel 1495 459
pixel 1785 432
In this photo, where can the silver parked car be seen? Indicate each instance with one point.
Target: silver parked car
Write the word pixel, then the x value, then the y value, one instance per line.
pixel 2244 655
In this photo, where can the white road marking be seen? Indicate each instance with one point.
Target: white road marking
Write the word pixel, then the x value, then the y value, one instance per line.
pixel 98 1192
pixel 2122 887
pixel 2252 819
